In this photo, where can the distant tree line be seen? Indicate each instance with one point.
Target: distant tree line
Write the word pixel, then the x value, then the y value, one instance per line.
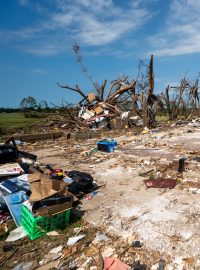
pixel 9 110
pixel 30 104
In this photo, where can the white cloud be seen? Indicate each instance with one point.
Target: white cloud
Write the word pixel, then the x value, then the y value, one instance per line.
pixel 46 49
pixel 38 71
pixel 109 51
pixel 97 22
pixel 23 2
pixel 181 34
pixel 89 22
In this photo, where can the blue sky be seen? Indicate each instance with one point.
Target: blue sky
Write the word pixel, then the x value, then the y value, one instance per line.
pixel 36 38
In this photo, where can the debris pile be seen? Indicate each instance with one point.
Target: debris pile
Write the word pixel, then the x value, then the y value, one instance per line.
pixel 123 100
pixel 96 113
pixel 38 198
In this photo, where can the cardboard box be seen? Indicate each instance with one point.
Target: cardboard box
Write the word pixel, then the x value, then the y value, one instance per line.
pixel 58 185
pixel 54 209
pixel 91 97
pixel 41 187
pixel 98 110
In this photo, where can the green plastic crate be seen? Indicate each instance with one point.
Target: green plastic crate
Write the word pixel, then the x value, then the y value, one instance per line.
pixel 38 226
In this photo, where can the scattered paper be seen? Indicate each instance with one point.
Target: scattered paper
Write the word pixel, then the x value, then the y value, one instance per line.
pixel 28 205
pixel 108 252
pixel 10 169
pixel 49 265
pixel 56 250
pixel 16 234
pixel 100 238
pixel 53 233
pixel 72 240
pixel 23 177
pixel 26 265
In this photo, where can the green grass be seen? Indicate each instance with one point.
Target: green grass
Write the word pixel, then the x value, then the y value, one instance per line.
pixel 12 122
pixel 162 118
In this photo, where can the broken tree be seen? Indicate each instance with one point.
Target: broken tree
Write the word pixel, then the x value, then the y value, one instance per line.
pixel 182 100
pixel 96 110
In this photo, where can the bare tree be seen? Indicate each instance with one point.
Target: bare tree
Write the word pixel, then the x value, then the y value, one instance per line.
pixel 181 100
pixel 144 94
pixel 139 90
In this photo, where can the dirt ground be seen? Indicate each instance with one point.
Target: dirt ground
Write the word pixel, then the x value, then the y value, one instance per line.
pixel 165 221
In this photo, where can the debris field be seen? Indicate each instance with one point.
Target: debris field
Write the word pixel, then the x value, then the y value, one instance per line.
pixel 145 227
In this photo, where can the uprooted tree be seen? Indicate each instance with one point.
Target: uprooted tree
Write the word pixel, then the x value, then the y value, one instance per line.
pixel 104 101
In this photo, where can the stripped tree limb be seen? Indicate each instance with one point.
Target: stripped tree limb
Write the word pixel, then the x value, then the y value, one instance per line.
pixel 151 81
pixel 114 83
pixel 77 89
pixel 110 107
pixel 120 92
pixel 168 102
pixel 102 90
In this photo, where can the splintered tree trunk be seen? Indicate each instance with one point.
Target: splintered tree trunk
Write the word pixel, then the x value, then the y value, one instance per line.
pixel 135 106
pixel 168 103
pixel 151 82
pixel 149 115
pixel 145 114
pixel 144 106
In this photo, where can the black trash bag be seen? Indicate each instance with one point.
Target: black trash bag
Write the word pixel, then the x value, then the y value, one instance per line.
pixel 8 153
pixel 82 182
pixel 74 188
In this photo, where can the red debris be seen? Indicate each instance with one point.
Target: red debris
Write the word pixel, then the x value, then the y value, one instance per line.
pixel 160 183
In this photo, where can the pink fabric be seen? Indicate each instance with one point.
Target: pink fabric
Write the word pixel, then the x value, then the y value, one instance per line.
pixel 112 263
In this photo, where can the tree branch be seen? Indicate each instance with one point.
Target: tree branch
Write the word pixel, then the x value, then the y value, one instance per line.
pixel 77 89
pixel 115 82
pixel 103 89
pixel 120 92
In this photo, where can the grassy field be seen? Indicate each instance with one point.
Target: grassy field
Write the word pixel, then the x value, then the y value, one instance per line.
pixel 15 122
pixel 12 122
pixel 162 118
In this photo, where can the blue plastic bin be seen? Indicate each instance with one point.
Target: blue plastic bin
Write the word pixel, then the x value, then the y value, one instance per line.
pixel 107 145
pixel 114 144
